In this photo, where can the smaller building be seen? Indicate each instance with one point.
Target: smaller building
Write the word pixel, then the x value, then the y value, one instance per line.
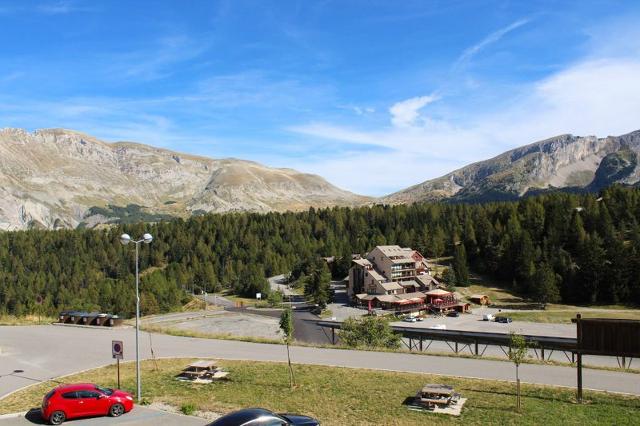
pixel 479 299
pixel 441 300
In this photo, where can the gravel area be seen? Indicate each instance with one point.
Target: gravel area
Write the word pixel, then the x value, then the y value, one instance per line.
pixel 223 322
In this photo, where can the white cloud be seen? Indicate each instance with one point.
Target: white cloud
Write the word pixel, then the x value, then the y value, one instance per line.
pixel 405 113
pixel 594 97
pixel 492 38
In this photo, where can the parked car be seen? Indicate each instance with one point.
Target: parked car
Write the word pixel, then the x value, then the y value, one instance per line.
pixel 409 319
pixel 420 318
pixel 503 320
pixel 453 314
pixel 262 417
pixel 83 400
pixel 488 317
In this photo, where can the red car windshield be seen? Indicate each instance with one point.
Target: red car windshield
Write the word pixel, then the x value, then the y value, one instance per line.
pixel 105 391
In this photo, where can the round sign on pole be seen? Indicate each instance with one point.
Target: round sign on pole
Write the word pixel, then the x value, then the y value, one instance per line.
pixel 117 349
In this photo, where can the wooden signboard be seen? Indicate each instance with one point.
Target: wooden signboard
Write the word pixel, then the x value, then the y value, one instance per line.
pixel 613 337
pixel 608 337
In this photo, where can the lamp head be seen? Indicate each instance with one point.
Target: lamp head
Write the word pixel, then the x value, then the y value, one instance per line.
pixel 125 239
pixel 147 238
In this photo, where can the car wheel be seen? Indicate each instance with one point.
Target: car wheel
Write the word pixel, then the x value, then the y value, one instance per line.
pixel 116 410
pixel 57 417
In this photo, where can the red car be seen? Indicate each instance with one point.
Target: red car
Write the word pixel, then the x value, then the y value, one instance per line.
pixel 84 400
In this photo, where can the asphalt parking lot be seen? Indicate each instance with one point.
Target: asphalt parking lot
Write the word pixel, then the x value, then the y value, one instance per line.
pixel 473 322
pixel 139 416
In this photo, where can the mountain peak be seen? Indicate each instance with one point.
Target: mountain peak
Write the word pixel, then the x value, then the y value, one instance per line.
pixel 563 161
pixel 61 177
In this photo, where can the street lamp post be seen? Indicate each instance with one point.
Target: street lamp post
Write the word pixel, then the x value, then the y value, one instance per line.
pixel 126 239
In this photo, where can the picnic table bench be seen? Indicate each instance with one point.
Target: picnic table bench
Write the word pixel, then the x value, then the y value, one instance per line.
pixel 203 370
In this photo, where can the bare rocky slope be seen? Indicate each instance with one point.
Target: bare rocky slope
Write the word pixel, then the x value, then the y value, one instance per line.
pixel 563 162
pixel 58 178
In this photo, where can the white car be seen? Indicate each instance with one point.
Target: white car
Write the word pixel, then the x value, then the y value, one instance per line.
pixel 488 317
pixel 439 327
pixel 409 319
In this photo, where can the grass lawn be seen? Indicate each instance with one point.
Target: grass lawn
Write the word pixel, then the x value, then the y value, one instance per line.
pixel 244 300
pixel 26 320
pixel 168 329
pixel 342 396
pixel 552 315
pixel 497 295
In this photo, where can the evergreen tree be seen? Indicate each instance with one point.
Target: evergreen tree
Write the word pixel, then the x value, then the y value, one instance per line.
pixel 316 288
pixel 460 265
pixel 544 288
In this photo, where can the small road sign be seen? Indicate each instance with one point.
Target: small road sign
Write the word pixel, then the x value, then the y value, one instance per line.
pixel 117 349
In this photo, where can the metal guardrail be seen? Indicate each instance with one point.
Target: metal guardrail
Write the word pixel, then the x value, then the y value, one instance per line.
pixel 421 338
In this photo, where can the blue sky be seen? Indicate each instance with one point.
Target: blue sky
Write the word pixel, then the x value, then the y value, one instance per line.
pixel 373 95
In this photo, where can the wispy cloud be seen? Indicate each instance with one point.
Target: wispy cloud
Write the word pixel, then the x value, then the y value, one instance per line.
pixel 11 76
pixel 405 113
pixel 60 8
pixel 593 97
pixel 492 38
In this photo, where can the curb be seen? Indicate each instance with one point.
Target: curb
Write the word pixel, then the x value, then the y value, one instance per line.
pixel 13 415
pixel 93 327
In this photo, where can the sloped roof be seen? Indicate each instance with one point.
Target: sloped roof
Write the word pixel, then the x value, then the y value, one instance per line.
pixel 376 275
pixel 362 262
pixel 437 292
pixel 391 286
pixel 365 296
pixel 414 295
pixel 388 298
pixel 427 279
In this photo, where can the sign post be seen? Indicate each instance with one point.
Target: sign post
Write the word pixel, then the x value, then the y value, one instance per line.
pixel 117 351
pixel 39 301
pixel 605 337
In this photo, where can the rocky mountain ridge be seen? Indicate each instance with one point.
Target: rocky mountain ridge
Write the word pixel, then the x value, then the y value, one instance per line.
pixel 56 178
pixel 563 162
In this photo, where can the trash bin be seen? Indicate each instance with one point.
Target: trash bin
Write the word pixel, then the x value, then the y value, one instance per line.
pixel 90 318
pixel 75 317
pixel 101 319
pixel 114 321
pixel 63 317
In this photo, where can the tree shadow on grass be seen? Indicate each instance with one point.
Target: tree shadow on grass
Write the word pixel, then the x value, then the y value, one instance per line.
pixel 562 399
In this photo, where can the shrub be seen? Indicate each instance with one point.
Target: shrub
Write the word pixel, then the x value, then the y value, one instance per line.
pixel 188 409
pixel 369 332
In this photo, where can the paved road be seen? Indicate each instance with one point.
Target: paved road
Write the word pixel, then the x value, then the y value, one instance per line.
pixel 278 283
pixel 214 299
pixel 139 416
pixel 49 351
pixel 304 328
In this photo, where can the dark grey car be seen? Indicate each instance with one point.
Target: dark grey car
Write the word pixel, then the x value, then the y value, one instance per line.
pixel 262 417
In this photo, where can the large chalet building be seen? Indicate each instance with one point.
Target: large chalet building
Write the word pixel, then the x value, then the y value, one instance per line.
pixel 396 278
